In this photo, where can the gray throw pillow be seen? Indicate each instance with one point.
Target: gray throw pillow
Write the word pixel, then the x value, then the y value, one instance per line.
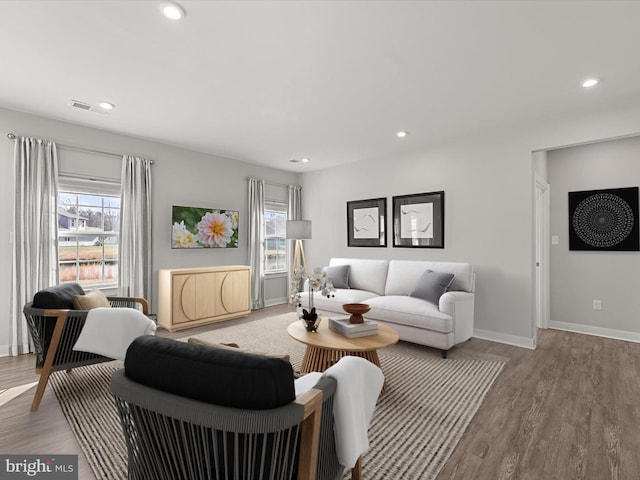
pixel 431 285
pixel 339 275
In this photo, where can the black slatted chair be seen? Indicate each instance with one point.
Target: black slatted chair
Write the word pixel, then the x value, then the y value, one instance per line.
pixel 54 327
pixel 196 412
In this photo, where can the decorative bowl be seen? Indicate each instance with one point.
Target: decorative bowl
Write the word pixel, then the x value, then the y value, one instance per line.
pixel 356 310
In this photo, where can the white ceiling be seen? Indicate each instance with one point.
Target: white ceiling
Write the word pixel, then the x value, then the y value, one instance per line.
pixel 268 81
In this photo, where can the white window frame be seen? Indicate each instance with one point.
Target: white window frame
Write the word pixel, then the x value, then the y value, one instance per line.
pixel 77 185
pixel 280 207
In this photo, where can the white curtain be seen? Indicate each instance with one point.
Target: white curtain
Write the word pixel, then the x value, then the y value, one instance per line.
pixel 294 212
pixel 256 241
pixel 134 278
pixel 294 203
pixel 35 231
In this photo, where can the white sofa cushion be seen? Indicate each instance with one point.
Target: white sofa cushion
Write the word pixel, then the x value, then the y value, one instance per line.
pixel 366 274
pixel 342 296
pixel 403 275
pixel 411 311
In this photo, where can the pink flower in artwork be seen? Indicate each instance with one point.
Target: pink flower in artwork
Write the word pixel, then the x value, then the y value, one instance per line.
pixel 215 229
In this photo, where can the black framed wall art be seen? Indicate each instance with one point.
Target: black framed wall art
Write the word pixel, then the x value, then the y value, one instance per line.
pixel 605 220
pixel 366 223
pixel 418 220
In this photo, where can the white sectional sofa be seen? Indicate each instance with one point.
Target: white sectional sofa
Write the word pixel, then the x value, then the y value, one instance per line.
pixel 386 286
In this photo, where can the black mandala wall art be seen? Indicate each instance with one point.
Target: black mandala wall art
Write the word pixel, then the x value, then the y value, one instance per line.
pixel 604 220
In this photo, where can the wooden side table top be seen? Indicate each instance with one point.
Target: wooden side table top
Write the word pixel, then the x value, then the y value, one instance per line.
pixel 327 339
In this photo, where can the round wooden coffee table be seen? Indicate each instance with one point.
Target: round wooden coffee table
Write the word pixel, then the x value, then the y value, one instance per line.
pixel 325 347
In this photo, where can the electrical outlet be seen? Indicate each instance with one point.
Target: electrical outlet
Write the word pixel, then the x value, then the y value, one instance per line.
pixel 597 304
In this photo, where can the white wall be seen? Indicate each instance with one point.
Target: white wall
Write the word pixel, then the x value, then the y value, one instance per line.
pixel 488 184
pixel 579 277
pixel 180 177
pixel 488 180
pixel 486 220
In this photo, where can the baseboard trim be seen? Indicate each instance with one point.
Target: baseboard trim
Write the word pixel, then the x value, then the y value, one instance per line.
pixel 4 350
pixel 505 338
pixel 275 301
pixel 596 331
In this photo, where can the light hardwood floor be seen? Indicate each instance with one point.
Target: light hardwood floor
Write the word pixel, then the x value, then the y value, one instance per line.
pixel 568 410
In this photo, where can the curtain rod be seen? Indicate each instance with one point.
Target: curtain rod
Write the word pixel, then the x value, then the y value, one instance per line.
pixel 275 184
pixel 12 136
pixel 93 178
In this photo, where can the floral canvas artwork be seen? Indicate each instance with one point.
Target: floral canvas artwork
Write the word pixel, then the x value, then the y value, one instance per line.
pixel 194 227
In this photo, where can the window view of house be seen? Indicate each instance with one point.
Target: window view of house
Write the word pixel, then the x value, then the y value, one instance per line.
pixel 275 244
pixel 88 238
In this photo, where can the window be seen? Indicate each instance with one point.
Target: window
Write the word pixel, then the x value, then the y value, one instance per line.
pixel 275 243
pixel 88 229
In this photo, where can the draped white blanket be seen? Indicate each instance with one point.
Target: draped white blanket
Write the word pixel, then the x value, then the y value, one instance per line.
pixel 110 331
pixel 359 385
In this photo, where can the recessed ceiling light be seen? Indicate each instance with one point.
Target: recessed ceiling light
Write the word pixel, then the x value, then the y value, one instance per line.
pixel 172 10
pixel 106 105
pixel 590 82
pixel 305 160
pixel 89 107
pixel 402 134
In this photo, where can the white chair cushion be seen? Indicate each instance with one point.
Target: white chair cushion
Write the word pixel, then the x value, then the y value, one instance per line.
pixel 306 382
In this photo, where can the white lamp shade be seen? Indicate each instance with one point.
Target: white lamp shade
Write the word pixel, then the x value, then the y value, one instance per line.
pixel 298 229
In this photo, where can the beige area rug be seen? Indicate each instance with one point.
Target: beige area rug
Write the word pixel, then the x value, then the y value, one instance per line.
pixel 418 422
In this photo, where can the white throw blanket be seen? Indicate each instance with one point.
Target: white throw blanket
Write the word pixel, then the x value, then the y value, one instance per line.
pixel 359 385
pixel 110 331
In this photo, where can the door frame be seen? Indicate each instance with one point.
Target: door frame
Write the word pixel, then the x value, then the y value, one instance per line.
pixel 541 265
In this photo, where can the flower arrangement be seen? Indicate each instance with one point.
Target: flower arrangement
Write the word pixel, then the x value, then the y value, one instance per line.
pixel 317 282
pixel 201 228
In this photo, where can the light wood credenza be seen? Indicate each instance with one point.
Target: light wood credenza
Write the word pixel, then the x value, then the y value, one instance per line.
pixel 189 297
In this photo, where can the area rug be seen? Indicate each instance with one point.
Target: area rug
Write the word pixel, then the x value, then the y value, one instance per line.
pixel 420 419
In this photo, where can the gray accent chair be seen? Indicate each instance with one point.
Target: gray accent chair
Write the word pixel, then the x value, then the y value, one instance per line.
pixel 54 327
pixel 171 436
